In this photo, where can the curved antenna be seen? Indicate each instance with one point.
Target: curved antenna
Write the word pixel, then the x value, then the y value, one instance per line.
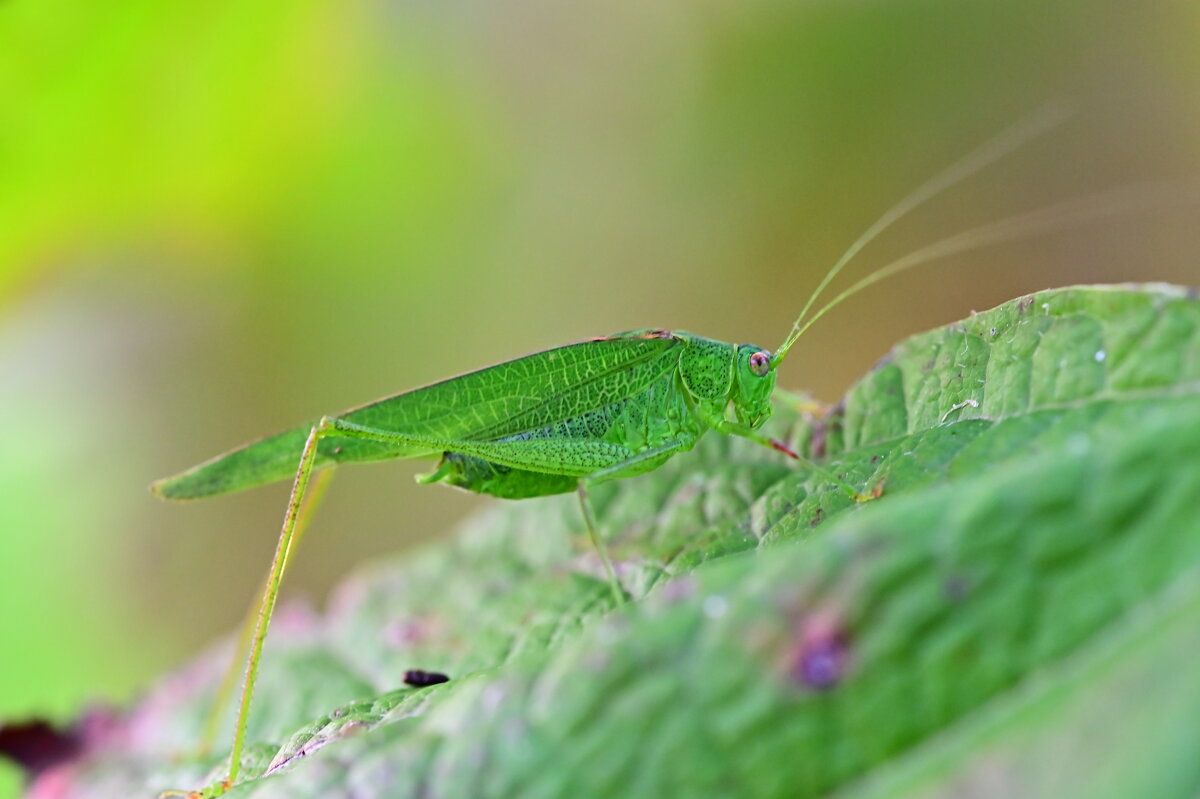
pixel 1005 142
pixel 1051 218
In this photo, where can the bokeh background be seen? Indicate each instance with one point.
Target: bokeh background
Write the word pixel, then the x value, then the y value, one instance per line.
pixel 220 219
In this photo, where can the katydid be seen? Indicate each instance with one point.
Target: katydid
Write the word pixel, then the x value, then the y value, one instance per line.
pixel 565 419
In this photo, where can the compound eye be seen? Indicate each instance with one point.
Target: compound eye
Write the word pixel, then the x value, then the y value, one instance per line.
pixel 760 364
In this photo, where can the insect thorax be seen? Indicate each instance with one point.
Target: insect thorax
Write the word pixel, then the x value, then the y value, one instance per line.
pixel 706 367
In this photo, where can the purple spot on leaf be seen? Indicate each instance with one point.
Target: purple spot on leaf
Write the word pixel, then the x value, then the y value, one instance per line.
pixel 821 667
pixel 822 656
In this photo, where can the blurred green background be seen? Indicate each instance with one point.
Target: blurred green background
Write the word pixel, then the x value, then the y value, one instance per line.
pixel 217 220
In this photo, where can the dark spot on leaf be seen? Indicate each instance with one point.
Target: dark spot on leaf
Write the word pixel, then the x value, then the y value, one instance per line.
pixel 337 450
pixel 957 587
pixel 929 364
pixel 993 332
pixel 1024 304
pixel 422 679
pixel 822 656
pixel 874 459
pixel 816 519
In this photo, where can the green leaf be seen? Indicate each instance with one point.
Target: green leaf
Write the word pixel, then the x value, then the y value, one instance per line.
pixel 1014 616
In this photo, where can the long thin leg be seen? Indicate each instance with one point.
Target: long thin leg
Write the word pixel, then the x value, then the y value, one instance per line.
pixel 225 689
pixel 295 521
pixel 274 579
pixel 589 519
pixel 283 550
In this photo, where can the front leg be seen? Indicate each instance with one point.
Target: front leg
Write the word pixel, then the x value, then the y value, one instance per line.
pixel 736 429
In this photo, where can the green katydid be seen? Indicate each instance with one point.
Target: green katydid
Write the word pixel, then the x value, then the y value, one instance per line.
pixel 564 419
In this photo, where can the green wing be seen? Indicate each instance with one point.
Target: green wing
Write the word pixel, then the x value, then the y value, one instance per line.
pixel 508 398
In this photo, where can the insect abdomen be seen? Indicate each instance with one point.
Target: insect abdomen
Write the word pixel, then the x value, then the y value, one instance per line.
pixel 484 477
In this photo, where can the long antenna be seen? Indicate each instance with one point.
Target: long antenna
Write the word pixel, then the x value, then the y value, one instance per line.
pixel 1044 119
pixel 1060 216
